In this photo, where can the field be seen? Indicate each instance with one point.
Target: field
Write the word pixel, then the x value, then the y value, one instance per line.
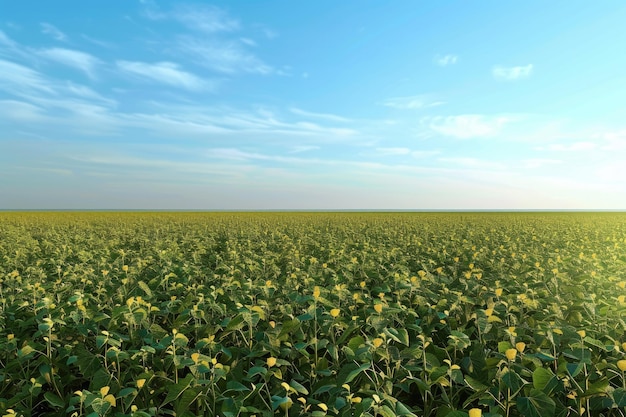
pixel 313 314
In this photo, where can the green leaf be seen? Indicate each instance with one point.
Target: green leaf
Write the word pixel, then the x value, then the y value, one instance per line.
pixel 185 400
pixel 475 384
pixel 399 335
pixel 598 387
pixel 298 387
pixel 504 346
pixel 125 392
pixel 54 399
pixel 385 411
pixel 403 410
pixel 538 404
pixel 145 288
pixel 457 413
pixel 354 373
pixel 256 370
pixel 174 391
pixel 619 397
pixel 541 377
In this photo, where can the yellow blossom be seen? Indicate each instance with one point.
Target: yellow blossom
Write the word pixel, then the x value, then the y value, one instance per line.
pixel 520 346
pixel 378 308
pixel 621 364
pixel 377 342
pixel 511 354
pixel 271 361
pixel 582 333
pixel 316 292
pixel 475 412
pixel 498 292
pixel 335 312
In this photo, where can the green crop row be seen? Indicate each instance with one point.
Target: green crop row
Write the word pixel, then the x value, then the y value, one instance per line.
pixel 313 314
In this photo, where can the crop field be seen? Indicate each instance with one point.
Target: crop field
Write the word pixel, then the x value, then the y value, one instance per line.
pixel 313 314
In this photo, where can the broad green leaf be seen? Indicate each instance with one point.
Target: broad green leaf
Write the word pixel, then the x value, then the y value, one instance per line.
pixel 537 404
pixel 54 399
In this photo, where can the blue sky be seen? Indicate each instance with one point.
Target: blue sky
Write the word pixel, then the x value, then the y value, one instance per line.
pixel 319 104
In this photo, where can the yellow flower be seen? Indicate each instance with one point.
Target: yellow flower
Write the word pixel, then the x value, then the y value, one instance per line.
pixel 582 333
pixel 511 354
pixel 520 346
pixel 624 346
pixel 271 361
pixel 140 383
pixel 104 391
pixel 335 312
pixel 316 292
pixel 498 294
pixel 125 268
pixel 362 284
pixel 621 364
pixel 475 412
pixel 377 342
pixel 488 312
pixel 378 308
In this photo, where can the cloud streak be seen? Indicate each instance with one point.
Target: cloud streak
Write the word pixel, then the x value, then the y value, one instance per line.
pixel 53 31
pixel 411 102
pixel 467 126
pixel 166 73
pixel 75 59
pixel 512 73
pixel 445 60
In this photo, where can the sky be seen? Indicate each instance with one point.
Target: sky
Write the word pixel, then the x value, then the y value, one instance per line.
pixel 354 104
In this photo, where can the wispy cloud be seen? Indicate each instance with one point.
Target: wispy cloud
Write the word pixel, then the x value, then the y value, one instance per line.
pixel 303 148
pixel 512 73
pixel 225 56
pixel 571 147
pixel 323 116
pixel 468 125
pixel 166 73
pixel 445 60
pixel 534 163
pixel 16 79
pixel 76 59
pixel 53 31
pixel 474 163
pixel 411 102
pixel 203 18
pixel 210 39
pixel 392 151
pixel 98 42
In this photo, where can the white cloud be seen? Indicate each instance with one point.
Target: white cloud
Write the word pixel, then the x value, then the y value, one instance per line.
pixel 53 31
pixel 534 163
pixel 473 163
pixel 76 59
pixel 411 102
pixel 303 148
pixel 203 18
pixel 17 79
pixel 167 73
pixel 445 60
pixel 392 151
pixel 324 116
pixel 222 56
pixel 573 147
pixel 512 73
pixel 468 125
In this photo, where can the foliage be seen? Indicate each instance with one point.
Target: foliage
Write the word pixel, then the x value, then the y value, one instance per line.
pixel 256 314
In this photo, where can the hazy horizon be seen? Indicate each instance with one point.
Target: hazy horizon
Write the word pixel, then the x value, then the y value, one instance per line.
pixel 278 106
